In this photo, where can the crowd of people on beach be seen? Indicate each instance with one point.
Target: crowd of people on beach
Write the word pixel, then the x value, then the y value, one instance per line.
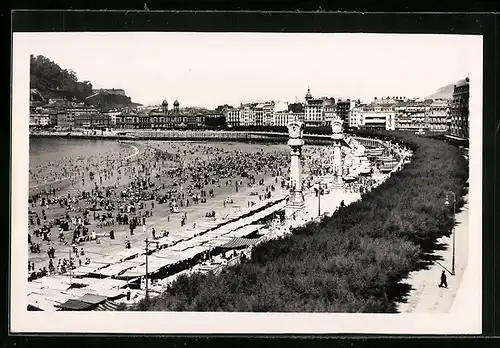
pixel 183 175
pixel 117 195
pixel 72 170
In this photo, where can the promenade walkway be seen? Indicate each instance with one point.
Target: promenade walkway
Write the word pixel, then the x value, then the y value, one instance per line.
pixel 425 296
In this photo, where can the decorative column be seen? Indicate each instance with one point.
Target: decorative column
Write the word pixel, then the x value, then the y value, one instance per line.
pixel 296 197
pixel 338 139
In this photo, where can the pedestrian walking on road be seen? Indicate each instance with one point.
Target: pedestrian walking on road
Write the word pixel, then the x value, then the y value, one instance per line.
pixel 444 283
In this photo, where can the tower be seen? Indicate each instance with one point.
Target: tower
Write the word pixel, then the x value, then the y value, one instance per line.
pixel 308 95
pixel 164 106
pixel 176 107
pixel 296 198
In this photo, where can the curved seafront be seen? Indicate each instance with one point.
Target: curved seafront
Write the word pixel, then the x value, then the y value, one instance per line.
pixel 237 179
pixel 183 135
pixel 60 163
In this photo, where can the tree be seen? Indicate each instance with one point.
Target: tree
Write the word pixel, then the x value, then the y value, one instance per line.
pixel 53 81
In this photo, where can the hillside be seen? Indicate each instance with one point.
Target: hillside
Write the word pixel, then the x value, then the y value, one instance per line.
pixel 445 92
pixel 108 100
pixel 54 82
pixel 48 80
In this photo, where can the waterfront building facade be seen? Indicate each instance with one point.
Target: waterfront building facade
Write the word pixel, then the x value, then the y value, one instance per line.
pixel 281 118
pixel 318 111
pixel 127 120
pixel 314 115
pixel 65 120
pixel 268 110
pixel 413 115
pixel 438 116
pixel 39 120
pixel 459 110
pixel 258 115
pixel 343 108
pixel 91 121
pixel 377 116
pixel 232 117
pixel 198 120
pixel 297 116
pixel 111 113
pixel 247 115
pixel 329 110
pixel 354 120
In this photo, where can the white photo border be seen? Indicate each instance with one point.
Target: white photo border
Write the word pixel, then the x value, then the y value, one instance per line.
pixel 23 321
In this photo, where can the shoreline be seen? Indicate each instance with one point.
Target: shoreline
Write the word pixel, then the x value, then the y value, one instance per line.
pixel 185 135
pixel 57 181
pixel 161 219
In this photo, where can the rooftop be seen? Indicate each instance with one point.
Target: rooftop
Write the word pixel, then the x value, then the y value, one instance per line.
pixel 464 82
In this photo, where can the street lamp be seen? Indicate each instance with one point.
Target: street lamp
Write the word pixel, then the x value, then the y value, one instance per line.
pixel 447 202
pixel 318 190
pixel 70 267
pixel 147 242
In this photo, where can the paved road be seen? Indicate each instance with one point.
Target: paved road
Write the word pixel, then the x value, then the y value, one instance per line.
pixel 426 296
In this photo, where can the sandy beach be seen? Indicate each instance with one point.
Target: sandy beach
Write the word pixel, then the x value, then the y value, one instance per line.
pixel 140 161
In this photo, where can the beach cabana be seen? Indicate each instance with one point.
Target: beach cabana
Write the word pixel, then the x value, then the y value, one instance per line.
pixel 84 270
pixel 169 254
pixel 109 287
pixel 214 243
pixel 130 253
pixel 46 299
pixel 37 302
pixel 154 265
pixel 52 283
pixel 217 232
pixel 92 299
pixel 220 231
pixel 238 243
pixel 74 305
pixel 76 293
pixel 192 252
pixel 88 302
pixel 116 269
pixel 185 245
pixel 245 231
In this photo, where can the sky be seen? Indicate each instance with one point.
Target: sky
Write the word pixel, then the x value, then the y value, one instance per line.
pixel 211 69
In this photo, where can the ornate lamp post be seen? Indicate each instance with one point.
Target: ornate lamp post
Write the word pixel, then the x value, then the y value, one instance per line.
pixel 447 202
pixel 337 137
pixel 296 198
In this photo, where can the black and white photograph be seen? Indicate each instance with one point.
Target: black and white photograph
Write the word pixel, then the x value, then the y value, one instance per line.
pixel 188 182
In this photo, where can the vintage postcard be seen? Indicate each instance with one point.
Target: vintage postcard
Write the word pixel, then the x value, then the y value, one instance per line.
pixel 246 183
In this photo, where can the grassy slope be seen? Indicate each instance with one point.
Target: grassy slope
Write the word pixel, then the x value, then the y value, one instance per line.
pixel 347 263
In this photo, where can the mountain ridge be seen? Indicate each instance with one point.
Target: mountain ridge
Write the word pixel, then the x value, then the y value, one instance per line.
pixel 445 92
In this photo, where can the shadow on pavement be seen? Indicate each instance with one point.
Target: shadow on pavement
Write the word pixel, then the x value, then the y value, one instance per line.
pixel 399 292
